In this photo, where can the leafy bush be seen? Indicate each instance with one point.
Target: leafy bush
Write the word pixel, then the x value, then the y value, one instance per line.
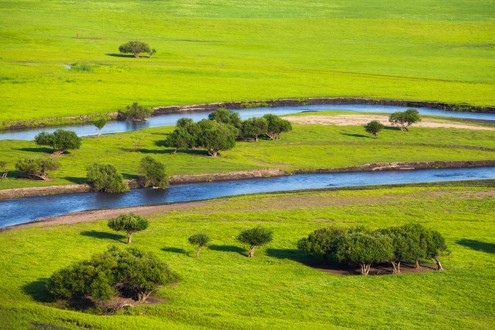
pixel 36 168
pixel 373 127
pixel 134 112
pixel 130 223
pixel 60 140
pixel 152 173
pixel 135 48
pixel 105 178
pixel 222 115
pixel 276 125
pixel 255 237
pixel 253 128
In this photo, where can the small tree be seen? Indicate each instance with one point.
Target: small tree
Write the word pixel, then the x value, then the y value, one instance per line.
pixel 184 136
pixel 135 48
pixel 130 223
pixel 2 169
pixel 36 168
pixel 276 125
pixel 405 247
pixel 254 127
pixel 105 178
pixel 255 237
pixel 214 136
pixel 60 140
pixel 322 242
pixel 134 112
pixel 99 124
pixel 222 115
pixel 200 240
pixel 405 119
pixel 373 127
pixel 436 246
pixel 153 173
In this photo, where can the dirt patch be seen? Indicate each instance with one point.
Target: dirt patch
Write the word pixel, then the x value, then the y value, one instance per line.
pixel 380 269
pixel 349 120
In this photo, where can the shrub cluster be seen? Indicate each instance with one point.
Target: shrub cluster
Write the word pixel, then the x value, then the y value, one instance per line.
pixel 408 243
pixel 134 112
pixel 36 168
pixel 60 140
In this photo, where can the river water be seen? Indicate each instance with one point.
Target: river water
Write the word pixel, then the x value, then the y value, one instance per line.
pixel 22 210
pixel 171 119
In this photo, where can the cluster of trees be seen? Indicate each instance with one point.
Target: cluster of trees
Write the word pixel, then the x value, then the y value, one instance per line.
pixel 129 273
pixel 402 119
pixel 136 48
pixel 409 243
pixel 61 140
pixel 221 130
pixel 36 168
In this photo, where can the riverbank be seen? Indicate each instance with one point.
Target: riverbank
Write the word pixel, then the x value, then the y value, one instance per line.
pixel 252 174
pixel 160 110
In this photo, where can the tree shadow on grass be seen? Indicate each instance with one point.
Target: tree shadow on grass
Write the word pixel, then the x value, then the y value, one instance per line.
pixel 357 135
pixel 477 245
pixel 103 235
pixel 76 180
pixel 40 149
pixel 120 55
pixel 128 176
pixel 228 248
pixel 148 151
pixel 392 128
pixel 38 290
pixel 175 250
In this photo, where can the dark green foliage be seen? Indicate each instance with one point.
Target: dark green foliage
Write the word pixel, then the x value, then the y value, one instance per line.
pixel 60 140
pixel 129 223
pixel 200 240
pixel 322 242
pixel 135 48
pixel 405 119
pixel 255 237
pixel 3 164
pixel 184 136
pixel 105 178
pixel 253 128
pixel 99 124
pixel 128 273
pixel 214 136
pixel 222 115
pixel 276 125
pixel 134 112
pixel 152 173
pixel 36 168
pixel 373 127
pixel 405 247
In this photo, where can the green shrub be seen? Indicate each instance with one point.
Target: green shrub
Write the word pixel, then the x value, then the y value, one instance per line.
pixel 60 140
pixel 105 178
pixel 36 168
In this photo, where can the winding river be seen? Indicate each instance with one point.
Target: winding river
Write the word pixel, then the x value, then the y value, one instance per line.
pixel 22 210
pixel 171 119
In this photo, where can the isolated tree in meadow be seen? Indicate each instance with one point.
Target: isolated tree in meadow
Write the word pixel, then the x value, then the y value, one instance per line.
pixel 405 119
pixel 373 127
pixel 222 115
pixel 134 112
pixel 253 128
pixel 36 168
pixel 3 164
pixel 276 125
pixel 105 178
pixel 99 124
pixel 255 237
pixel 215 136
pixel 129 223
pixel 60 140
pixel 200 240
pixel 153 173
pixel 136 48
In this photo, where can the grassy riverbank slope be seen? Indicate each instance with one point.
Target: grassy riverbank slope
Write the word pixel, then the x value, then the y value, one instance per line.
pixel 307 147
pixel 277 289
pixel 227 50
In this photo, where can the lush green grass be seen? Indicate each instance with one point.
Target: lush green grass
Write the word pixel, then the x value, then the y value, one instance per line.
pixel 223 289
pixel 226 50
pixel 307 147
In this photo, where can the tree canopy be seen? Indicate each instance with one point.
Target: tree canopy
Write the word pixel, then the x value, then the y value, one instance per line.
pixel 105 178
pixel 214 136
pixel 373 127
pixel 60 140
pixel 32 168
pixel 129 223
pixel 253 128
pixel 134 112
pixel 200 240
pixel 152 173
pixel 255 237
pixel 99 124
pixel 276 125
pixel 222 115
pixel 405 119
pixel 136 47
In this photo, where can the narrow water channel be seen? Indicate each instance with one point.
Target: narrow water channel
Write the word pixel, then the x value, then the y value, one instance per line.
pixel 22 210
pixel 171 119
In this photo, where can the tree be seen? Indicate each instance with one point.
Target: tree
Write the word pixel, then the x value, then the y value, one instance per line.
pixel 153 173
pixel 255 237
pixel 36 168
pixel 130 223
pixel 200 240
pixel 253 128
pixel 405 247
pixel 222 115
pixel 135 48
pixel 405 119
pixel 130 273
pixel 436 246
pixel 322 242
pixel 2 169
pixel 184 136
pixel 215 136
pixel 364 248
pixel 276 125
pixel 60 140
pixel 99 124
pixel 134 112
pixel 373 127
pixel 105 178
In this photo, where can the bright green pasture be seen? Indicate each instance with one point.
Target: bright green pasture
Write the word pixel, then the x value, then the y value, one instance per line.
pixel 224 289
pixel 223 50
pixel 307 147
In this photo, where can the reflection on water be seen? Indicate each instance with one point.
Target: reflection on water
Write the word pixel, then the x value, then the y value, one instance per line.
pixel 23 210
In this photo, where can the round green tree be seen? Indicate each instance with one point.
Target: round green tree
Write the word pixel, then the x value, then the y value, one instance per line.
pixel 105 178
pixel 373 127
pixel 255 237
pixel 60 140
pixel 136 47
pixel 200 240
pixel 129 223
pixel 36 168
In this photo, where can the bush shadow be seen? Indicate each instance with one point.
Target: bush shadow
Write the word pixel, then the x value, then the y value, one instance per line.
pixel 357 135
pixel 103 235
pixel 175 250
pixel 40 149
pixel 228 248
pixel 74 179
pixel 38 290
pixel 477 245
pixel 120 55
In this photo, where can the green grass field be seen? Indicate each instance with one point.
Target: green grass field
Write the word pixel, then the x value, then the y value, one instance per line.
pixel 223 50
pixel 224 289
pixel 307 147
